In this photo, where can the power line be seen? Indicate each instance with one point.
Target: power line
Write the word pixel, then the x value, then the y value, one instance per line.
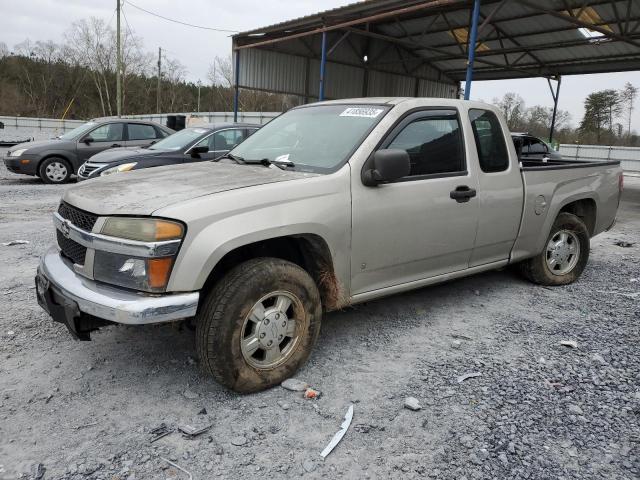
pixel 180 22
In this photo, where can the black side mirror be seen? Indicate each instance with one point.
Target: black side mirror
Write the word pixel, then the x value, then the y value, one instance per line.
pixel 196 151
pixel 388 165
pixel 87 140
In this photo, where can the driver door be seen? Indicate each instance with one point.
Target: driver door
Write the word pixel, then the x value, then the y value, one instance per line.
pixel 109 135
pixel 412 229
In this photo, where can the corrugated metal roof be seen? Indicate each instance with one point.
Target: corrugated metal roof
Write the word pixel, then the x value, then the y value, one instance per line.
pixel 409 42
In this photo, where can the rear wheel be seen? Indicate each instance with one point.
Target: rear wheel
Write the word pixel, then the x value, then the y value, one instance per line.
pixel 565 254
pixel 259 324
pixel 54 170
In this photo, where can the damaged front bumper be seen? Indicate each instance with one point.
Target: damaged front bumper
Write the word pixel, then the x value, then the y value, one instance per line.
pixel 84 305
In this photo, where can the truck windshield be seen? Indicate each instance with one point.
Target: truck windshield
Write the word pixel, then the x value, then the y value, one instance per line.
pixel 315 139
pixel 179 140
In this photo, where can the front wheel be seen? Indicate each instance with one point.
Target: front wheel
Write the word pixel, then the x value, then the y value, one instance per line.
pixel 565 254
pixel 55 170
pixel 259 324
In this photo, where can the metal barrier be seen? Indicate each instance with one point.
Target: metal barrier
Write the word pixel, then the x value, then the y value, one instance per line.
pixel 629 157
pixel 27 128
pixel 211 117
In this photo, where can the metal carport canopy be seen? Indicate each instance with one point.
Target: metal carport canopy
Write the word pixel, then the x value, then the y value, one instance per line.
pixel 419 48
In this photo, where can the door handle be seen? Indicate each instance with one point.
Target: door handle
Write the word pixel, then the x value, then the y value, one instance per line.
pixel 462 194
pixel 116 145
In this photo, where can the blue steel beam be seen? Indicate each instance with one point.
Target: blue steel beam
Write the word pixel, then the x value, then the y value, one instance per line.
pixel 471 48
pixel 323 62
pixel 236 94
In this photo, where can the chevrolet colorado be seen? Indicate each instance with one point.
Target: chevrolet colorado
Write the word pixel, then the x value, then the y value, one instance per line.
pixel 330 204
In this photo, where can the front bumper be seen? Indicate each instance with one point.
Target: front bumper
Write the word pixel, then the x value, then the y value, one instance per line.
pixel 71 299
pixel 14 164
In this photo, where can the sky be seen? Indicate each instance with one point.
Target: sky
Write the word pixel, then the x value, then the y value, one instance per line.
pixel 196 48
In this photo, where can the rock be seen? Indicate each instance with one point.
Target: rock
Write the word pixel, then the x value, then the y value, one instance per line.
pixel 203 411
pixel 283 405
pixel 456 344
pixel 569 343
pixel 511 448
pixel 483 454
pixel 576 410
pixel 467 376
pixel 598 359
pixel 309 466
pixel 467 441
pixel 476 293
pixel 503 459
pixel 412 403
pixel 191 395
pixel 294 385
pixel 473 458
pixel 239 441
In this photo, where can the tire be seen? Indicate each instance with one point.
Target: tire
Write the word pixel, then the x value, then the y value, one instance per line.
pixel 55 170
pixel 233 331
pixel 567 266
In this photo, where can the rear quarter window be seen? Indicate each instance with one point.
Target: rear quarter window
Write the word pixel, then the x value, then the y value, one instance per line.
pixel 493 154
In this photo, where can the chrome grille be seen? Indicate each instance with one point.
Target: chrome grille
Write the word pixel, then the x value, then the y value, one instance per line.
pixel 80 219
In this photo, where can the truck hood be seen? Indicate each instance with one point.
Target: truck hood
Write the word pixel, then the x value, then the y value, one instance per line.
pixel 116 154
pixel 142 192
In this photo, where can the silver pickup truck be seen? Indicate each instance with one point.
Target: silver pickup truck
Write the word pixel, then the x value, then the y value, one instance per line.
pixel 328 205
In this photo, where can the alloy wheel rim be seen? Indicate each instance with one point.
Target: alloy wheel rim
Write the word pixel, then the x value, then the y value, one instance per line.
pixel 563 252
pixel 56 171
pixel 272 330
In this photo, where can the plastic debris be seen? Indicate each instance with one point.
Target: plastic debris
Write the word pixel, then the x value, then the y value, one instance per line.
pixel 412 403
pixel 569 343
pixel 467 376
pixel 623 244
pixel 339 434
pixel 15 242
pixel 192 432
pixel 178 467
pixel 294 385
pixel 310 393
pixel 161 431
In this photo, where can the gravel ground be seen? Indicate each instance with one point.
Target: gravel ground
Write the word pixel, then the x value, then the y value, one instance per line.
pixel 539 410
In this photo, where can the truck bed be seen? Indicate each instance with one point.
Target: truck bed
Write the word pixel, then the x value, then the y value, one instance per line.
pixel 550 186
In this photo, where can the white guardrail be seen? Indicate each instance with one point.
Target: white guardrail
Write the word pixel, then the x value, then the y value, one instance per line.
pixel 629 157
pixel 27 128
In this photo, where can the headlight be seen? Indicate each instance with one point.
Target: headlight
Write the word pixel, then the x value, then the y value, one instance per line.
pixel 125 167
pixel 146 274
pixel 17 153
pixel 143 229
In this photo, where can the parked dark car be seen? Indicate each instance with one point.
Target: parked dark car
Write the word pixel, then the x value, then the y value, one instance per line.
pixel 55 160
pixel 195 144
pixel 533 148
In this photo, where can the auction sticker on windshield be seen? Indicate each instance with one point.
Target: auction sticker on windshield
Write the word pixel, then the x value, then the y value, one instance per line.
pixel 364 112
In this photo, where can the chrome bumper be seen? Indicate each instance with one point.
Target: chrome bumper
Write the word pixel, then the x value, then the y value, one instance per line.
pixel 111 303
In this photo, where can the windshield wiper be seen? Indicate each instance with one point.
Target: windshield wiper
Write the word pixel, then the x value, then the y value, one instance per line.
pixel 281 164
pixel 236 158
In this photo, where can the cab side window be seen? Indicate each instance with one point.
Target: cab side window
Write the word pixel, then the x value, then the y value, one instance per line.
pixel 536 146
pixel 227 139
pixel 140 131
pixel 110 132
pixel 434 145
pixel 490 143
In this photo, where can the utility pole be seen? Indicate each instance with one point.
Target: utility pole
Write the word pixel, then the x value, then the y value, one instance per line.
pixel 159 76
pixel 199 85
pixel 118 63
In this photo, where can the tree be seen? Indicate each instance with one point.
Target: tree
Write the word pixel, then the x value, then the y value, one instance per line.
pixel 600 110
pixel 512 106
pixel 627 98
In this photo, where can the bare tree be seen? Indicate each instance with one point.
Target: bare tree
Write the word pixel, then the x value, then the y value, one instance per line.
pixel 627 98
pixel 4 50
pixel 513 108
